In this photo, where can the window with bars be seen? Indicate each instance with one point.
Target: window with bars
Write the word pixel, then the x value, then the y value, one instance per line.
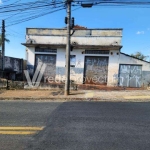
pixel 96 52
pixel 49 50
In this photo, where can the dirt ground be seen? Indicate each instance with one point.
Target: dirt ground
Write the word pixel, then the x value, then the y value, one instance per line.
pixel 76 95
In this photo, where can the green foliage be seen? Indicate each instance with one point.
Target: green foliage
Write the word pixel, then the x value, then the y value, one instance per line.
pixel 139 55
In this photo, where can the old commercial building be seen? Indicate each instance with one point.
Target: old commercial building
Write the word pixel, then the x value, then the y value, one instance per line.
pixel 95 57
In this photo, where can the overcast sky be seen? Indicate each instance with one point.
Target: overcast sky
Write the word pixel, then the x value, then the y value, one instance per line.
pixel 134 21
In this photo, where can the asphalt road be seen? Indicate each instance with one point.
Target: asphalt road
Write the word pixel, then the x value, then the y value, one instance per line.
pixel 22 114
pixel 77 125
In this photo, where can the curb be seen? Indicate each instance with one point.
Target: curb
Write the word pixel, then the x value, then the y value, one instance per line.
pixel 74 99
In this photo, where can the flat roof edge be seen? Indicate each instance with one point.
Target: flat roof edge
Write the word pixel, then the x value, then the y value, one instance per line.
pixel 80 29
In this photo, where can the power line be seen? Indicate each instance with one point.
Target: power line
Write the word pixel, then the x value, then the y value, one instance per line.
pixel 33 17
pixel 18 12
pixel 14 32
pixel 21 6
pixel 29 11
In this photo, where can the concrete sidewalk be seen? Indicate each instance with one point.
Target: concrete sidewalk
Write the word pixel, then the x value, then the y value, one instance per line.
pixel 82 95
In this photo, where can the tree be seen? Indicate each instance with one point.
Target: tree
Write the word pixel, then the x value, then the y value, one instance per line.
pixel 7 40
pixel 139 55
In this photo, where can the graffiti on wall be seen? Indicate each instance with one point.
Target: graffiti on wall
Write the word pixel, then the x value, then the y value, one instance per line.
pixel 50 61
pixel 96 70
pixel 130 75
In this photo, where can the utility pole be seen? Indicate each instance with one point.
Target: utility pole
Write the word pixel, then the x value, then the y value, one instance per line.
pixel 67 81
pixel 3 46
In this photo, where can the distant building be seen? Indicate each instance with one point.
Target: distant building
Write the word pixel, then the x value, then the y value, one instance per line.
pixel 13 68
pixel 95 58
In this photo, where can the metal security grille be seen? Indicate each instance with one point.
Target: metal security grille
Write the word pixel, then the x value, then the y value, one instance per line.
pixel 130 75
pixel 50 61
pixel 96 70
pixel 46 50
pixel 96 52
